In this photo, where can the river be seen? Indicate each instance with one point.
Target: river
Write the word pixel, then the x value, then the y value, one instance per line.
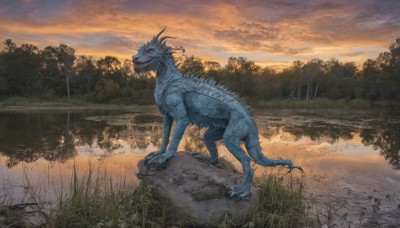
pixel 351 159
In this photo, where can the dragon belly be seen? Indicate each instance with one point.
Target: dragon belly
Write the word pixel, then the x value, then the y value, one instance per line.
pixel 206 111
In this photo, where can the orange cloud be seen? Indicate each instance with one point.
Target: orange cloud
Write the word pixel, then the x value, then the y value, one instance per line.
pixel 268 32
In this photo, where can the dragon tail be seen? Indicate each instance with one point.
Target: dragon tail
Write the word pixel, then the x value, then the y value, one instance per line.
pixel 255 151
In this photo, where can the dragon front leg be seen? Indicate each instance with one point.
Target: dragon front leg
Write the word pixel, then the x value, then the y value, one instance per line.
pixel 176 109
pixel 165 139
pixel 161 158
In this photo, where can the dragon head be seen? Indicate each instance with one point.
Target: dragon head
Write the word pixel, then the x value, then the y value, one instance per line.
pixel 152 55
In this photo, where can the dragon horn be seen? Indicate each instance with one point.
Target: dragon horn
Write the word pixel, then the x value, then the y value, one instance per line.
pixel 166 37
pixel 179 49
pixel 158 35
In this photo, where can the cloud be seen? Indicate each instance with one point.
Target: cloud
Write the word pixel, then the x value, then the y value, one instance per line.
pixel 277 30
pixel 257 37
pixel 355 53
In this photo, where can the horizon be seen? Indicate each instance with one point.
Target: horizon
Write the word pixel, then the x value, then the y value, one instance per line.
pixel 270 33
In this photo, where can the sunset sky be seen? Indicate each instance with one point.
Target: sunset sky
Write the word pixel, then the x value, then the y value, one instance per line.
pixel 268 32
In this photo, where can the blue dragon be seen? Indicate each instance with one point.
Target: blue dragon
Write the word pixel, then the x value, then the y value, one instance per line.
pixel 188 99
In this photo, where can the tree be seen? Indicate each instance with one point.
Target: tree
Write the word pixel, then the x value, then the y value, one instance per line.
pixel 394 49
pixel 20 69
pixel 312 73
pixel 370 73
pixel 108 66
pixel 213 70
pixel 241 74
pixel 67 57
pixel 86 75
pixel 106 90
pixel 10 46
pixel 267 84
pixel 52 72
pixel 191 64
pixel 27 70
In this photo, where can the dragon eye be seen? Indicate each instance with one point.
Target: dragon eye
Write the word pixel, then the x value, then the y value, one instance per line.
pixel 150 50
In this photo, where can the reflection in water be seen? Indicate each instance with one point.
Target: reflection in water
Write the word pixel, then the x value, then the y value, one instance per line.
pixel 318 131
pixel 28 136
pixel 55 136
pixel 146 118
pixel 386 138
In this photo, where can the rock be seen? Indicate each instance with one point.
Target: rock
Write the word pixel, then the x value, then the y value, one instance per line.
pixel 196 190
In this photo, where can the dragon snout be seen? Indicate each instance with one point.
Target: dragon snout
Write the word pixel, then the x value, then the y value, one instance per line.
pixel 140 60
pixel 135 58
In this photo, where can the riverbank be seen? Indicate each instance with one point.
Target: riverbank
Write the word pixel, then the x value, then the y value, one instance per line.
pixel 317 104
pixel 19 103
pixel 323 103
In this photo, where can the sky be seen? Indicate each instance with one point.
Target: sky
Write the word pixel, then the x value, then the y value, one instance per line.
pixel 271 33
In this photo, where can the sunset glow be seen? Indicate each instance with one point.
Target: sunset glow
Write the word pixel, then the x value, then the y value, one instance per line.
pixel 269 32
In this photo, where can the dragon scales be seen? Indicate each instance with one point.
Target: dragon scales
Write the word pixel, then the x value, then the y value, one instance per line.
pixel 189 99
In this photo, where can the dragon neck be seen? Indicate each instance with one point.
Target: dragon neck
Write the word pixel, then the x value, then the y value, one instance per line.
pixel 167 70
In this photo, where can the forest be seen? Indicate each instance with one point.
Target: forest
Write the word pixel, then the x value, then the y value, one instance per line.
pixel 57 72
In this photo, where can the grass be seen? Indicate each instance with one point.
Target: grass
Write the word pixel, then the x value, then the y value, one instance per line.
pixel 321 103
pixel 21 103
pixel 281 204
pixel 73 100
pixel 324 103
pixel 28 101
pixel 94 202
pixel 93 199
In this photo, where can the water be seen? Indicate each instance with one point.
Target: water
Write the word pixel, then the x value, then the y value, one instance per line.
pixel 351 159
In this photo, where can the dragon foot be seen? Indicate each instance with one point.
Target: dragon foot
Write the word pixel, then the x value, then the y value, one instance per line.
pixel 239 191
pixel 152 155
pixel 205 158
pixel 158 159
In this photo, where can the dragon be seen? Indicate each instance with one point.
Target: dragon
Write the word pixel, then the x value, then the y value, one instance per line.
pixel 191 99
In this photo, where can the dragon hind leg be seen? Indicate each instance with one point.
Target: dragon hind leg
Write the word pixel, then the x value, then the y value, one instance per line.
pixel 210 137
pixel 237 130
pixel 233 145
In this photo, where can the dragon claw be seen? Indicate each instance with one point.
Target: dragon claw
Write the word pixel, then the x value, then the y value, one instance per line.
pixel 204 158
pixel 157 159
pixel 151 156
pixel 295 167
pixel 239 192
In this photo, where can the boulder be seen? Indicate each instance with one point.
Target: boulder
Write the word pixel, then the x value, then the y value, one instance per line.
pixel 196 191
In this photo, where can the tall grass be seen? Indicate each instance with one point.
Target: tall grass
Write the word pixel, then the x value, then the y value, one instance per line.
pixel 281 204
pixel 30 211
pixel 93 199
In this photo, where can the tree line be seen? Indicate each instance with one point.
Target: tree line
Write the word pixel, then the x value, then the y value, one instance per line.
pixel 56 71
